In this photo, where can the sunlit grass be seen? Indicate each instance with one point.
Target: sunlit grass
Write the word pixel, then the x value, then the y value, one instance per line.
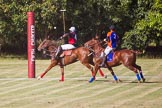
pixel 18 90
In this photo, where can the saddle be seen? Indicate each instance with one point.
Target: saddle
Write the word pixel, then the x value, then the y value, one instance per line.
pixel 62 55
pixel 110 56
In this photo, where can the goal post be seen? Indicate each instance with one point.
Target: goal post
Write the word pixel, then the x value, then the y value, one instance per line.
pixel 31 44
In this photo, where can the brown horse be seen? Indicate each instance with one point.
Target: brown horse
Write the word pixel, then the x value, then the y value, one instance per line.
pixel 125 57
pixel 81 53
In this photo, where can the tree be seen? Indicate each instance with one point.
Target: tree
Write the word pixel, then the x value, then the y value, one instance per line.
pixel 13 29
pixel 95 16
pixel 148 26
pixel 137 22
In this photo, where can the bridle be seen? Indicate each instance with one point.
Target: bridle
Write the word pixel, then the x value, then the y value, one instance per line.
pixel 47 51
pixel 89 46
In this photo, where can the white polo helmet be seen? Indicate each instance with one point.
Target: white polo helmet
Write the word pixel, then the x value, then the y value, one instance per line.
pixel 72 29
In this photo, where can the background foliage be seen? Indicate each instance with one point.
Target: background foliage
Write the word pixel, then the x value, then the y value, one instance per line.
pixel 138 22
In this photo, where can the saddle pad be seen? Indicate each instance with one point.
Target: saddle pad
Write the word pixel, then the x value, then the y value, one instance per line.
pixel 110 56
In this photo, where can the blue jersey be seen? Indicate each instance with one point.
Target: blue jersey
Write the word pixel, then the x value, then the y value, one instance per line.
pixel 112 39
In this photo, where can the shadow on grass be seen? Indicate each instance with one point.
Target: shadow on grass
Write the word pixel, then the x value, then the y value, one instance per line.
pixel 126 81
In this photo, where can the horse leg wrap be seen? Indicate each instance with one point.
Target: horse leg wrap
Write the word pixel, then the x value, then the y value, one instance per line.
pixel 42 75
pixel 93 75
pixel 92 79
pixel 62 78
pixel 101 73
pixel 115 77
pixel 138 77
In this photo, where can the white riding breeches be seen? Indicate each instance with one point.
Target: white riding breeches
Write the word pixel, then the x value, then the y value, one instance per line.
pixel 67 46
pixel 107 50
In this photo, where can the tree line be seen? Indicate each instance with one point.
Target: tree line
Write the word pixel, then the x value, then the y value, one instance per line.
pixel 138 22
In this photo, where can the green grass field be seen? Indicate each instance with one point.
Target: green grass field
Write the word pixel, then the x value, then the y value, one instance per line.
pixel 17 91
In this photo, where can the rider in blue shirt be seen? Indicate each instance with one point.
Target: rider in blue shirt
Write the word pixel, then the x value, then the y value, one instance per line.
pixel 112 40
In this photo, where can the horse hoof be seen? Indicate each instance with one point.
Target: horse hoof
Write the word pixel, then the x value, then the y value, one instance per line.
pixel 39 78
pixel 61 80
pixel 105 76
pixel 119 80
pixel 144 79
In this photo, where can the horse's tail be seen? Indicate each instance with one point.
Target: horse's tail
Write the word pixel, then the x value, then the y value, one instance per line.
pixel 136 52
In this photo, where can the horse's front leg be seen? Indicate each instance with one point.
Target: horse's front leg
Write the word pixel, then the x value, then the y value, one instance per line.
pixel 89 67
pixel 53 63
pixel 96 67
pixel 62 74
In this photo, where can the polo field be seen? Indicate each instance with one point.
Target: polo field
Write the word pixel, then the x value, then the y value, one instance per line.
pixel 19 91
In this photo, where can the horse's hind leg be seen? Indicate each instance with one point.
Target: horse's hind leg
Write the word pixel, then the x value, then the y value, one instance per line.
pixel 62 73
pixel 134 69
pixel 140 70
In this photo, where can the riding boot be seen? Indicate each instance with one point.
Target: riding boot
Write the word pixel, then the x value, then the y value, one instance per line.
pixel 103 60
pixel 58 52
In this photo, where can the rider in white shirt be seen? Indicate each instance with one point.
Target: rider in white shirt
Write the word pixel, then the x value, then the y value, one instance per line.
pixel 72 42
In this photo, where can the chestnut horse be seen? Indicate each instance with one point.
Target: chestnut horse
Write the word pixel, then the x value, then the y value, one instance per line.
pixel 124 56
pixel 81 53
